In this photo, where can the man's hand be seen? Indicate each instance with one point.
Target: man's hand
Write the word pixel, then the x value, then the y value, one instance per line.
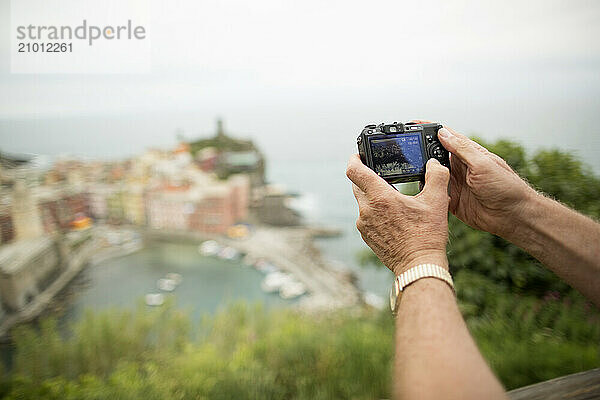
pixel 403 231
pixel 484 191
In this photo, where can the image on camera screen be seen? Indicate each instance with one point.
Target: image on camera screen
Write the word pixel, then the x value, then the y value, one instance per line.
pixel 400 155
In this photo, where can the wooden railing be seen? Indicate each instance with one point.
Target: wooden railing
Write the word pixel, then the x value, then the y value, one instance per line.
pixel 580 386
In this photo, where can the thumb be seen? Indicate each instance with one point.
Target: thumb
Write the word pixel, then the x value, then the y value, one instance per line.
pixel 436 180
pixel 469 152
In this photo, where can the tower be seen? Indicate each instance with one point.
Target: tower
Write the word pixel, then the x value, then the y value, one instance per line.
pixel 220 129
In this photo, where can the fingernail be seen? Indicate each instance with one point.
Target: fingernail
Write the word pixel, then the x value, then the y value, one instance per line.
pixel 434 161
pixel 445 133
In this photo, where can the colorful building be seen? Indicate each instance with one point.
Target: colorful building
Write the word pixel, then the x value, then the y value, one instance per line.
pixel 169 208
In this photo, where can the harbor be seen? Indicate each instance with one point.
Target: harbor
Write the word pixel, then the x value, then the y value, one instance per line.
pixel 289 260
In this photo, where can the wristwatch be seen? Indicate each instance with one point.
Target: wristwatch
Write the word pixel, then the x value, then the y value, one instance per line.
pixel 414 274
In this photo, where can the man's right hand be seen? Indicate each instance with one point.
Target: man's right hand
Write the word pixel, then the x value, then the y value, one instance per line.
pixel 488 195
pixel 485 192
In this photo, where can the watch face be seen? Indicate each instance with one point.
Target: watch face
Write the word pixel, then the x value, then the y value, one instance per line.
pixel 395 296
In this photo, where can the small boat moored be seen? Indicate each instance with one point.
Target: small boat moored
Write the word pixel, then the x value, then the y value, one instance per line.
pixel 291 290
pixel 374 300
pixel 228 253
pixel 155 299
pixel 209 248
pixel 273 281
pixel 174 277
pixel 168 285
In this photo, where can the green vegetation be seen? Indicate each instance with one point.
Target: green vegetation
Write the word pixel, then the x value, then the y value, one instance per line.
pixel 529 325
pixel 243 353
pixel 233 149
pixel 246 352
pixel 222 143
pixel 527 339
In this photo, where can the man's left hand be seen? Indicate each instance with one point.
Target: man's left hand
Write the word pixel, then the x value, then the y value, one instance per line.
pixel 402 230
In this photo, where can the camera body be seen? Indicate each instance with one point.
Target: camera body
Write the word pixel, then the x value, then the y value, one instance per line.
pixel 398 152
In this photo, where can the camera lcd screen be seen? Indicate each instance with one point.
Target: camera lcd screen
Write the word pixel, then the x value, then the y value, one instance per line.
pixel 398 155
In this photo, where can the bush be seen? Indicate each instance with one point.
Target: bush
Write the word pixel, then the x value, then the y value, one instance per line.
pixel 98 342
pixel 247 353
pixel 240 353
pixel 527 339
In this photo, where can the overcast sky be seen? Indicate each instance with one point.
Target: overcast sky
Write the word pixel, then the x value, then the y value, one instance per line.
pixel 303 77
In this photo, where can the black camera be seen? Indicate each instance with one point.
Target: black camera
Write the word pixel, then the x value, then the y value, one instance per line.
pixel 398 152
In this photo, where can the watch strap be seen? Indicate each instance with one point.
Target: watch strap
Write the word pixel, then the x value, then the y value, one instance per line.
pixel 414 274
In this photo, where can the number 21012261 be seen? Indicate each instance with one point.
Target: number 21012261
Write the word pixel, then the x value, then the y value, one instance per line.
pixel 45 47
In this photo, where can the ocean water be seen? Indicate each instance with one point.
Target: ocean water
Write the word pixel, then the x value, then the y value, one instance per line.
pixel 208 283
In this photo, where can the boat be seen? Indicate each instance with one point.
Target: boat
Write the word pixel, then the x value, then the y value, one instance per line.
pixel 209 248
pixel 291 290
pixel 168 285
pixel 174 277
pixel 155 299
pixel 265 267
pixel 228 253
pixel 274 281
pixel 374 300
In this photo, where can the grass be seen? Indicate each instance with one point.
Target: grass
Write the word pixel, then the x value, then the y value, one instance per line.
pixel 245 352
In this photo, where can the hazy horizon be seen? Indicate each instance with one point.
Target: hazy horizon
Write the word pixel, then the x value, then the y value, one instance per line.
pixel 303 78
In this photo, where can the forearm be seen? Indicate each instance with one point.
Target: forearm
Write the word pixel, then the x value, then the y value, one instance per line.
pixel 565 241
pixel 435 355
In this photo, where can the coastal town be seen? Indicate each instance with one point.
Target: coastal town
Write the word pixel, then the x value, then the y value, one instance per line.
pixel 59 219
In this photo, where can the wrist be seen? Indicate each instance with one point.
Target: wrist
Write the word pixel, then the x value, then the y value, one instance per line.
pixel 437 257
pixel 525 218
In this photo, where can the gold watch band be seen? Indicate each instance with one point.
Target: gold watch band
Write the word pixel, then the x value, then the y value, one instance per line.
pixel 414 274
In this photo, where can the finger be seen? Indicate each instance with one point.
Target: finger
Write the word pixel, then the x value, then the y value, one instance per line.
pixel 469 152
pixel 474 143
pixel 420 121
pixel 359 195
pixel 455 189
pixel 458 169
pixel 501 162
pixel 436 180
pixel 364 177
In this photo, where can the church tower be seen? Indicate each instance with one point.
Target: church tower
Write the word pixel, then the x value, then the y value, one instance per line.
pixel 220 129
